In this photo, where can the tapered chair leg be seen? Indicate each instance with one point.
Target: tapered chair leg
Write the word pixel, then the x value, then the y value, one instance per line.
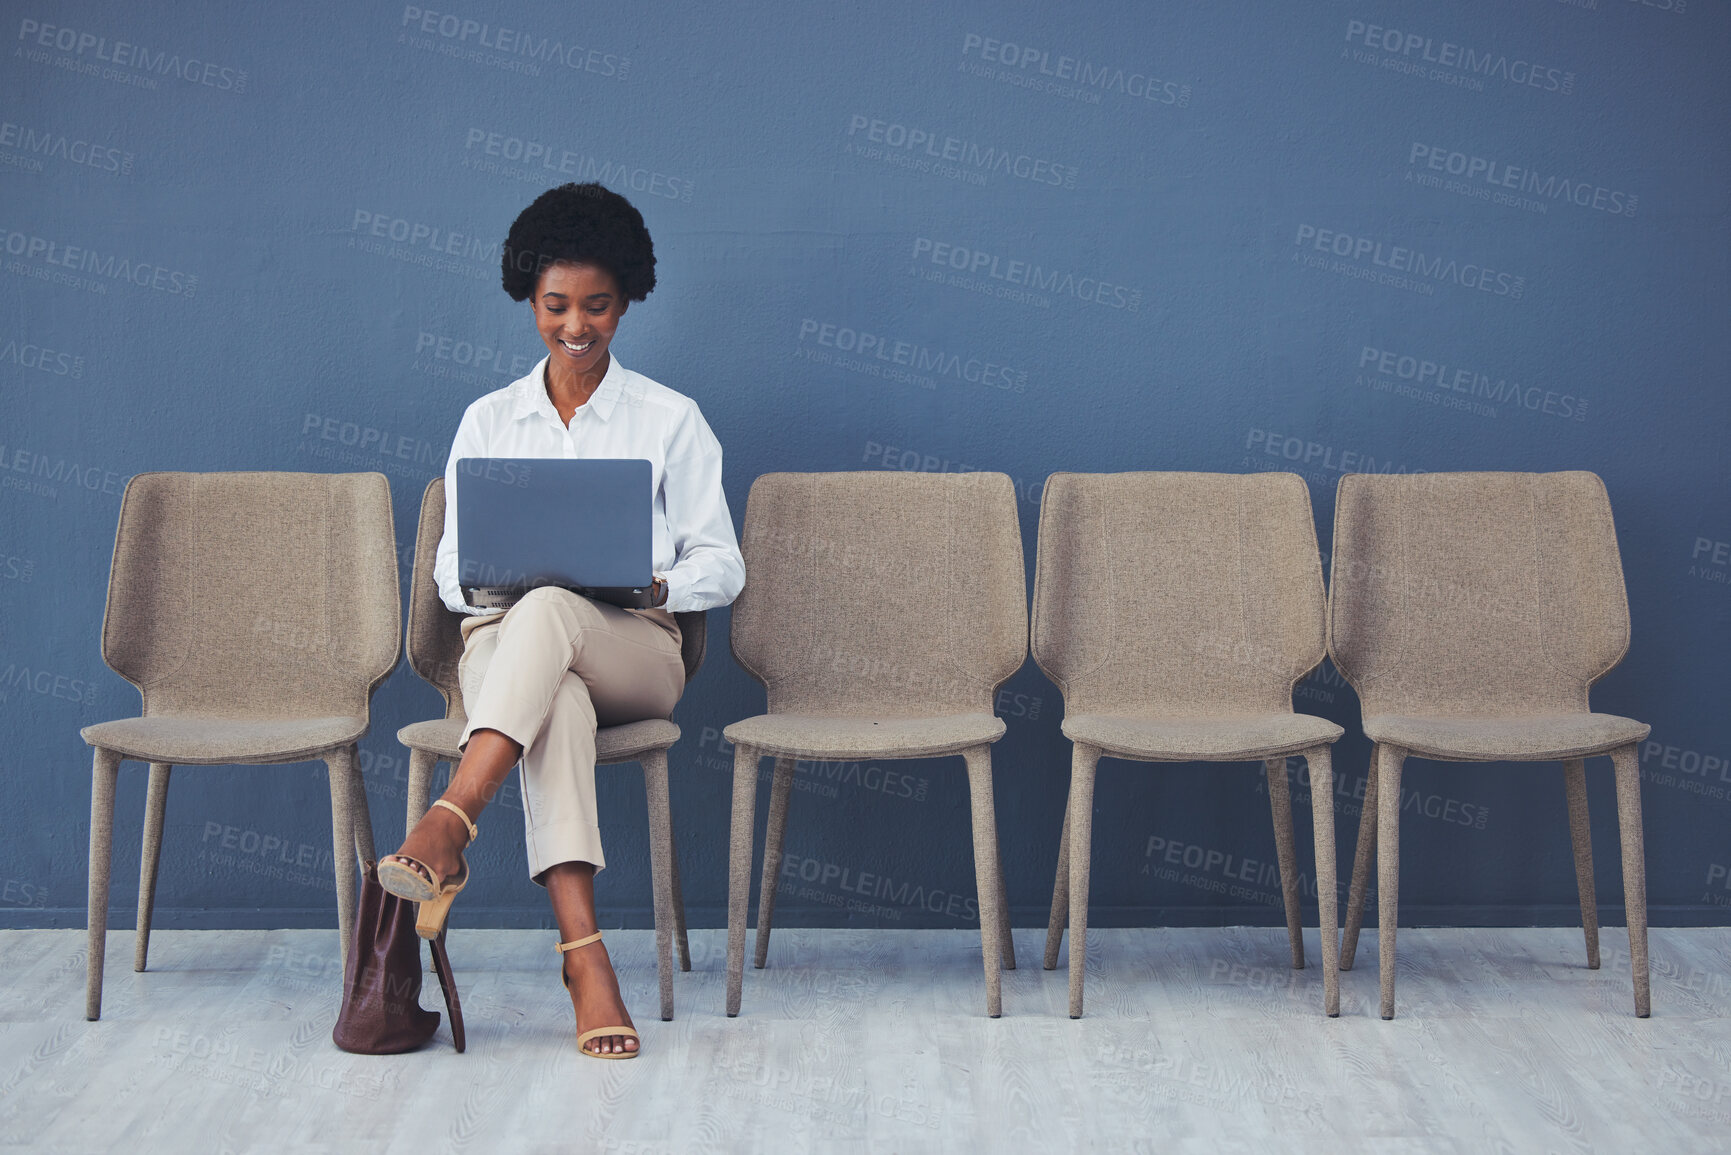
pixel 1581 836
pixel 988 879
pixel 422 763
pixel 1060 895
pixel 1388 767
pixel 361 813
pixel 341 765
pixel 1321 763
pixel 661 870
pixel 155 811
pixel 1280 805
pixel 774 837
pixel 1081 809
pixel 739 868
pixel 1006 940
pixel 1628 767
pixel 1362 857
pixel 105 770
pixel 679 937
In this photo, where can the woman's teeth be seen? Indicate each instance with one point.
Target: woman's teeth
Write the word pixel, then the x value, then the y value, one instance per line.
pixel 583 348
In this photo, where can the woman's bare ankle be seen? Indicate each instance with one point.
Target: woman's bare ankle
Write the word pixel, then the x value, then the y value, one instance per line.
pixel 437 840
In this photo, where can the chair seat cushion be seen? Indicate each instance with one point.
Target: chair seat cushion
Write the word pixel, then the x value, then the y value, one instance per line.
pixel 1533 738
pixel 618 743
pixel 194 741
pixel 435 736
pixel 820 736
pixel 1238 738
pixel 612 743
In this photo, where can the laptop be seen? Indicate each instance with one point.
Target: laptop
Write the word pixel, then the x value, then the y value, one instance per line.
pixel 582 524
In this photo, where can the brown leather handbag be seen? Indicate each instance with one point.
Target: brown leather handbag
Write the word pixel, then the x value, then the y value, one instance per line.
pixel 382 1013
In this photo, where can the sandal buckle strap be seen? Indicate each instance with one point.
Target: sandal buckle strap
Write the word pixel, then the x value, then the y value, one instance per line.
pixel 575 943
pixel 474 831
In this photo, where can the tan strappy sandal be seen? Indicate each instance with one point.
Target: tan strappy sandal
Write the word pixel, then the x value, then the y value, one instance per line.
pixel 598 1032
pixel 435 898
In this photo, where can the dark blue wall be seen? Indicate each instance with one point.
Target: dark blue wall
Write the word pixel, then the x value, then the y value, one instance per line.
pixel 1316 237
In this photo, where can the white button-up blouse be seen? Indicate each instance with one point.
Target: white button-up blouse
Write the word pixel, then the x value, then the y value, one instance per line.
pixel 628 415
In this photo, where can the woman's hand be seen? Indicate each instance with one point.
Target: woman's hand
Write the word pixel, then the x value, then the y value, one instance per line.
pixel 658 592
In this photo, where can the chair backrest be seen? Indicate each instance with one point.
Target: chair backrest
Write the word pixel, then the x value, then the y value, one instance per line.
pixel 1181 594
pixel 435 640
pixel 882 593
pixel 1481 593
pixel 693 640
pixel 254 594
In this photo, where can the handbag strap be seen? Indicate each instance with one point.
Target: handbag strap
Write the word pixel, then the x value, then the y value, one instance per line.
pixel 448 984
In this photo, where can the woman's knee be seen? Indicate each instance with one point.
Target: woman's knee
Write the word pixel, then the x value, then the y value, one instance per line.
pixel 554 600
pixel 550 604
pixel 542 598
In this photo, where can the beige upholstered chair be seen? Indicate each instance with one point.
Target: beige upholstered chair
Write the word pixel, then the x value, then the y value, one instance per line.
pixel 1176 611
pixel 1471 612
pixel 881 611
pixel 435 646
pixel 256 613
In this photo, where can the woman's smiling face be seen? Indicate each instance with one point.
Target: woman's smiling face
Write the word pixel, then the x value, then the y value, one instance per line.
pixel 577 311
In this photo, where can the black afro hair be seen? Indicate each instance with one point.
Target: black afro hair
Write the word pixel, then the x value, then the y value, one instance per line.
pixel 584 224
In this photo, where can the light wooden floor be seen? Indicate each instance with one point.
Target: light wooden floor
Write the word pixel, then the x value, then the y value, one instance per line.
pixel 1195 1040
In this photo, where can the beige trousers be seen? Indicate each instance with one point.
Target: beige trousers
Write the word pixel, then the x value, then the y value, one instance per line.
pixel 546 674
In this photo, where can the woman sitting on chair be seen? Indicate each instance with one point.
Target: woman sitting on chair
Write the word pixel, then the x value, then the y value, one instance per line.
pixel 538 679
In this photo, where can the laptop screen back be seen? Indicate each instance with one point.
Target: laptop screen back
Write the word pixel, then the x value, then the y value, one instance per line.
pixel 581 523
